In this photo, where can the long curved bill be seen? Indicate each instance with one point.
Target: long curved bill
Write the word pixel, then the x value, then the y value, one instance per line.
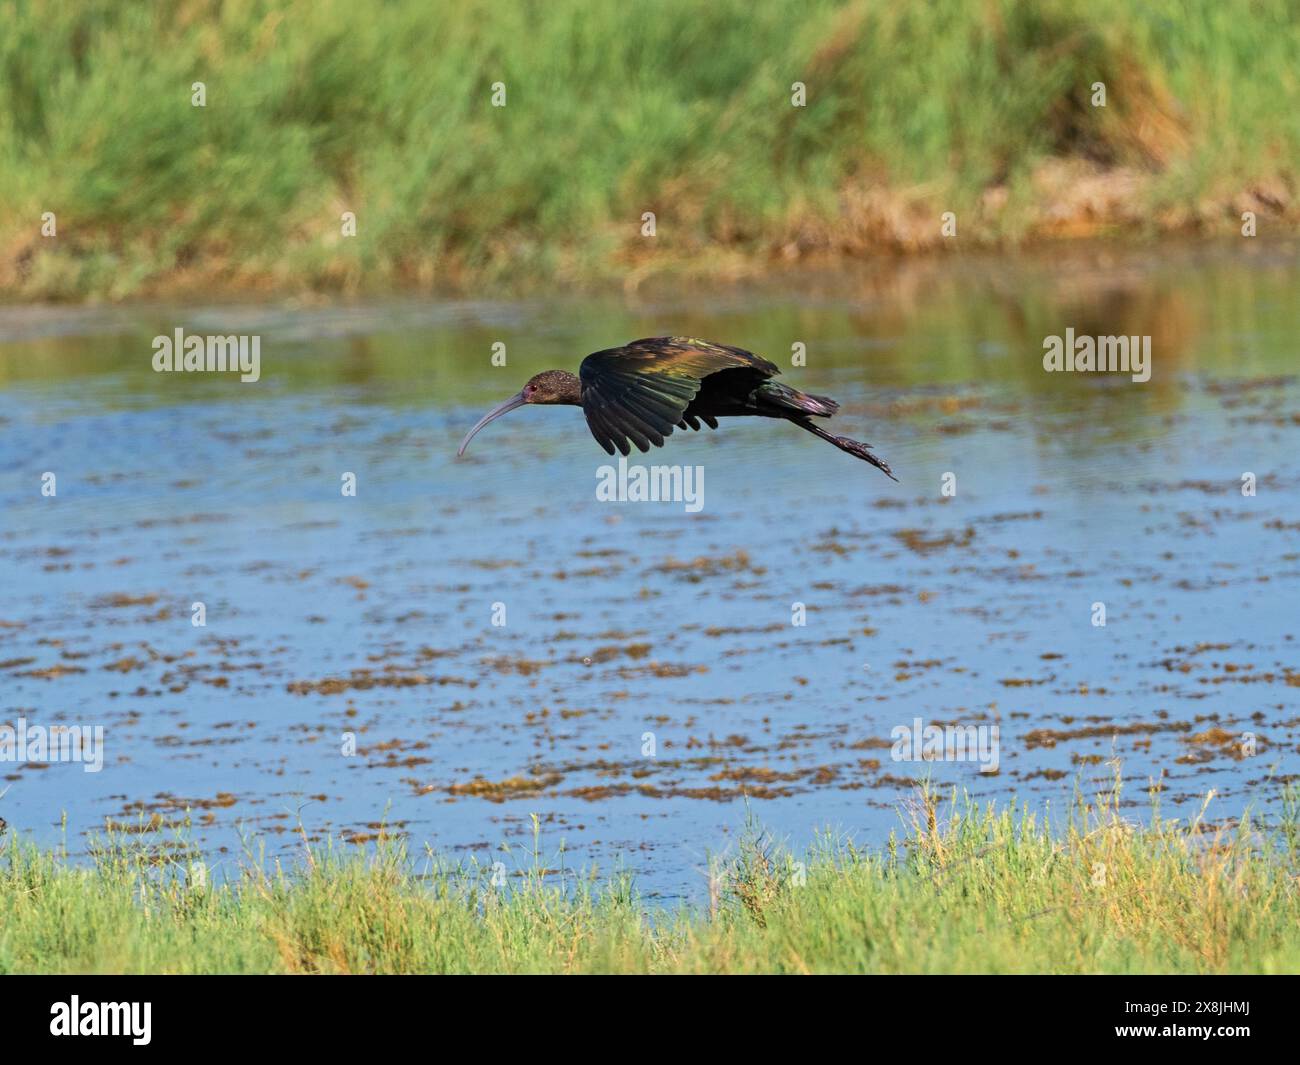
pixel 495 412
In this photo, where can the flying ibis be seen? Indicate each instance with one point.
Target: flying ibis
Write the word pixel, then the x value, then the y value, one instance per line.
pixel 639 393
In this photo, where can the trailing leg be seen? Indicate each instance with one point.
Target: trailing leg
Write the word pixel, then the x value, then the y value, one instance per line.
pixel 855 448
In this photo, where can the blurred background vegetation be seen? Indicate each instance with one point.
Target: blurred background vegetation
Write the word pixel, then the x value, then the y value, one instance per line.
pixel 319 107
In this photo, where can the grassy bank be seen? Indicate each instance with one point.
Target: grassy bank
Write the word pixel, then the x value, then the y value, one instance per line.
pixel 320 107
pixel 965 889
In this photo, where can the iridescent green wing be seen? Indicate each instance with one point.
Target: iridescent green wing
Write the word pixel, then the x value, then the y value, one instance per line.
pixel 638 393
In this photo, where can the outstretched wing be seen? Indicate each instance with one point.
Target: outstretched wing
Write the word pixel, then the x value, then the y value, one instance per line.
pixel 638 393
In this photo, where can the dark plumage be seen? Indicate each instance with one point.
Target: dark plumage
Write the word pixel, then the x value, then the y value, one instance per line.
pixel 639 393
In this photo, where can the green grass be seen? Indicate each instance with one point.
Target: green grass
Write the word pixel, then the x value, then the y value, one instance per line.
pixel 317 107
pixel 965 889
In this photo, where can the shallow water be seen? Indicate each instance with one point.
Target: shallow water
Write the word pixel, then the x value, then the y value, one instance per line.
pixel 373 615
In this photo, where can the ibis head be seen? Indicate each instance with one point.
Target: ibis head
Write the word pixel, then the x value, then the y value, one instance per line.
pixel 550 386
